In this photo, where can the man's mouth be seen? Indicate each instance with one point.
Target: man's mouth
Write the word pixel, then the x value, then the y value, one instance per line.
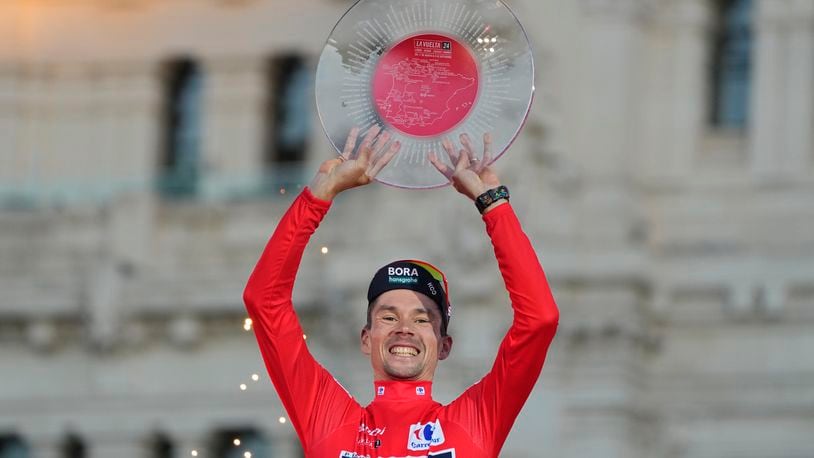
pixel 399 350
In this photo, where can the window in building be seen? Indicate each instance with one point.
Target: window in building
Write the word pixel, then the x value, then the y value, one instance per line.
pixel 11 446
pixel 183 105
pixel 234 443
pixel 289 113
pixel 74 447
pixel 731 69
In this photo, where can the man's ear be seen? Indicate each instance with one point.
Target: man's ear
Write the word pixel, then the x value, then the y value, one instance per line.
pixel 365 341
pixel 446 347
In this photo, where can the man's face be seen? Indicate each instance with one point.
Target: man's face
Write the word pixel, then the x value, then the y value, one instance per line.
pixel 404 340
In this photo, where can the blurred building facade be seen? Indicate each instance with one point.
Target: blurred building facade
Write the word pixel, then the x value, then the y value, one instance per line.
pixel 665 175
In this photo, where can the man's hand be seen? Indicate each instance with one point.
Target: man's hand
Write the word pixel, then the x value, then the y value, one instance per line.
pixel 471 176
pixel 355 166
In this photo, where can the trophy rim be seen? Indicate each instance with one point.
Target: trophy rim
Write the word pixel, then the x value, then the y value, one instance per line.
pixel 382 122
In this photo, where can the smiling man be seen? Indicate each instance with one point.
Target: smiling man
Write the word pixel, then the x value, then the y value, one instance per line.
pixel 405 336
pixel 406 331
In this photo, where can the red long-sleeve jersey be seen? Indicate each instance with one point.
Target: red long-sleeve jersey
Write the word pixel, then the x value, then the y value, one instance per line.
pixel 403 420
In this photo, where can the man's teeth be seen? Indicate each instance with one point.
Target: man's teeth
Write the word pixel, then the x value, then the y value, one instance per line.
pixel 404 351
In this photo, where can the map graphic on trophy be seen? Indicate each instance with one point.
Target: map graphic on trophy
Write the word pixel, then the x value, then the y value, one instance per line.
pixel 425 70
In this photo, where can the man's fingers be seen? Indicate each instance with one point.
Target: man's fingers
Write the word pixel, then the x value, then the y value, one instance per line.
pixel 477 163
pixel 450 149
pixel 380 143
pixel 440 166
pixel 363 152
pixel 383 159
pixel 350 143
pixel 487 144
pixel 377 151
pixel 484 164
pixel 463 160
pixel 467 144
pixel 487 151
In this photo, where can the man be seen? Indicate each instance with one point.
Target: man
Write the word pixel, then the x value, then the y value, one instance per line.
pixel 406 331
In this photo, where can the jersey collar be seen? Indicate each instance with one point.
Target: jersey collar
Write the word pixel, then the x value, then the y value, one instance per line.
pixel 402 391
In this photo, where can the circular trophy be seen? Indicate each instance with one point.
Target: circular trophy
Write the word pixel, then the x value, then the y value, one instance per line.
pixel 425 70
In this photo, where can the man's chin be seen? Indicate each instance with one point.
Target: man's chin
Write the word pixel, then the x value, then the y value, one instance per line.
pixel 403 373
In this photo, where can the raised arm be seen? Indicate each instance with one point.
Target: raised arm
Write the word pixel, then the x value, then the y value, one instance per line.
pixel 496 400
pixel 309 393
pixel 503 391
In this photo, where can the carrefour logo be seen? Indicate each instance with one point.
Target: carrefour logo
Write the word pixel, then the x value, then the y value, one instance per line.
pixel 424 436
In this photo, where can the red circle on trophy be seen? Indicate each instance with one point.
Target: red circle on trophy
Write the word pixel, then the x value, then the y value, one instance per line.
pixel 425 70
pixel 425 85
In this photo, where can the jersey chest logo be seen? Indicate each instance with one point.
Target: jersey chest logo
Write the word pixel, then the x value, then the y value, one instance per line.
pixel 442 454
pixel 425 435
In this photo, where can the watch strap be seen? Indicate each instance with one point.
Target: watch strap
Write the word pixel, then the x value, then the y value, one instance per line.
pixel 491 196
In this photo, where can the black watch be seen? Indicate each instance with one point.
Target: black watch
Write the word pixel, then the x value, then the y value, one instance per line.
pixel 491 196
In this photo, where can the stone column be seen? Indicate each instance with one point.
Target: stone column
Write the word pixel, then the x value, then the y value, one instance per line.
pixel 608 72
pixel 69 129
pixel 783 108
pixel 765 116
pixel 126 102
pixel 688 111
pixel 32 92
pixel 600 364
pixel 130 226
pixel 799 91
pixel 608 64
pixel 128 223
pixel 233 147
pixel 673 96
pixel 146 91
pixel 8 126
pixel 104 296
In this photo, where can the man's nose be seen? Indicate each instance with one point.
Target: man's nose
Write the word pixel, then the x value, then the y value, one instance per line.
pixel 405 328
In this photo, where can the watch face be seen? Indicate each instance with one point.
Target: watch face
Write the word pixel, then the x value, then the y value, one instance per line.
pixel 425 70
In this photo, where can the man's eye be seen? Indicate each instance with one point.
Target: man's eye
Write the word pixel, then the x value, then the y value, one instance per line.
pixel 422 320
pixel 389 318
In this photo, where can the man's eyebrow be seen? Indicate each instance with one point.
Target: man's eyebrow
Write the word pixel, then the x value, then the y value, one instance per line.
pixel 392 308
pixel 386 308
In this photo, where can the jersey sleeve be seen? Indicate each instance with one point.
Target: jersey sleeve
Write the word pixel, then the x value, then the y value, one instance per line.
pixel 490 406
pixel 316 403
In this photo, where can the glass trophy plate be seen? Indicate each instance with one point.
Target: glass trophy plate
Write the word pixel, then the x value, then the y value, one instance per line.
pixel 425 70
